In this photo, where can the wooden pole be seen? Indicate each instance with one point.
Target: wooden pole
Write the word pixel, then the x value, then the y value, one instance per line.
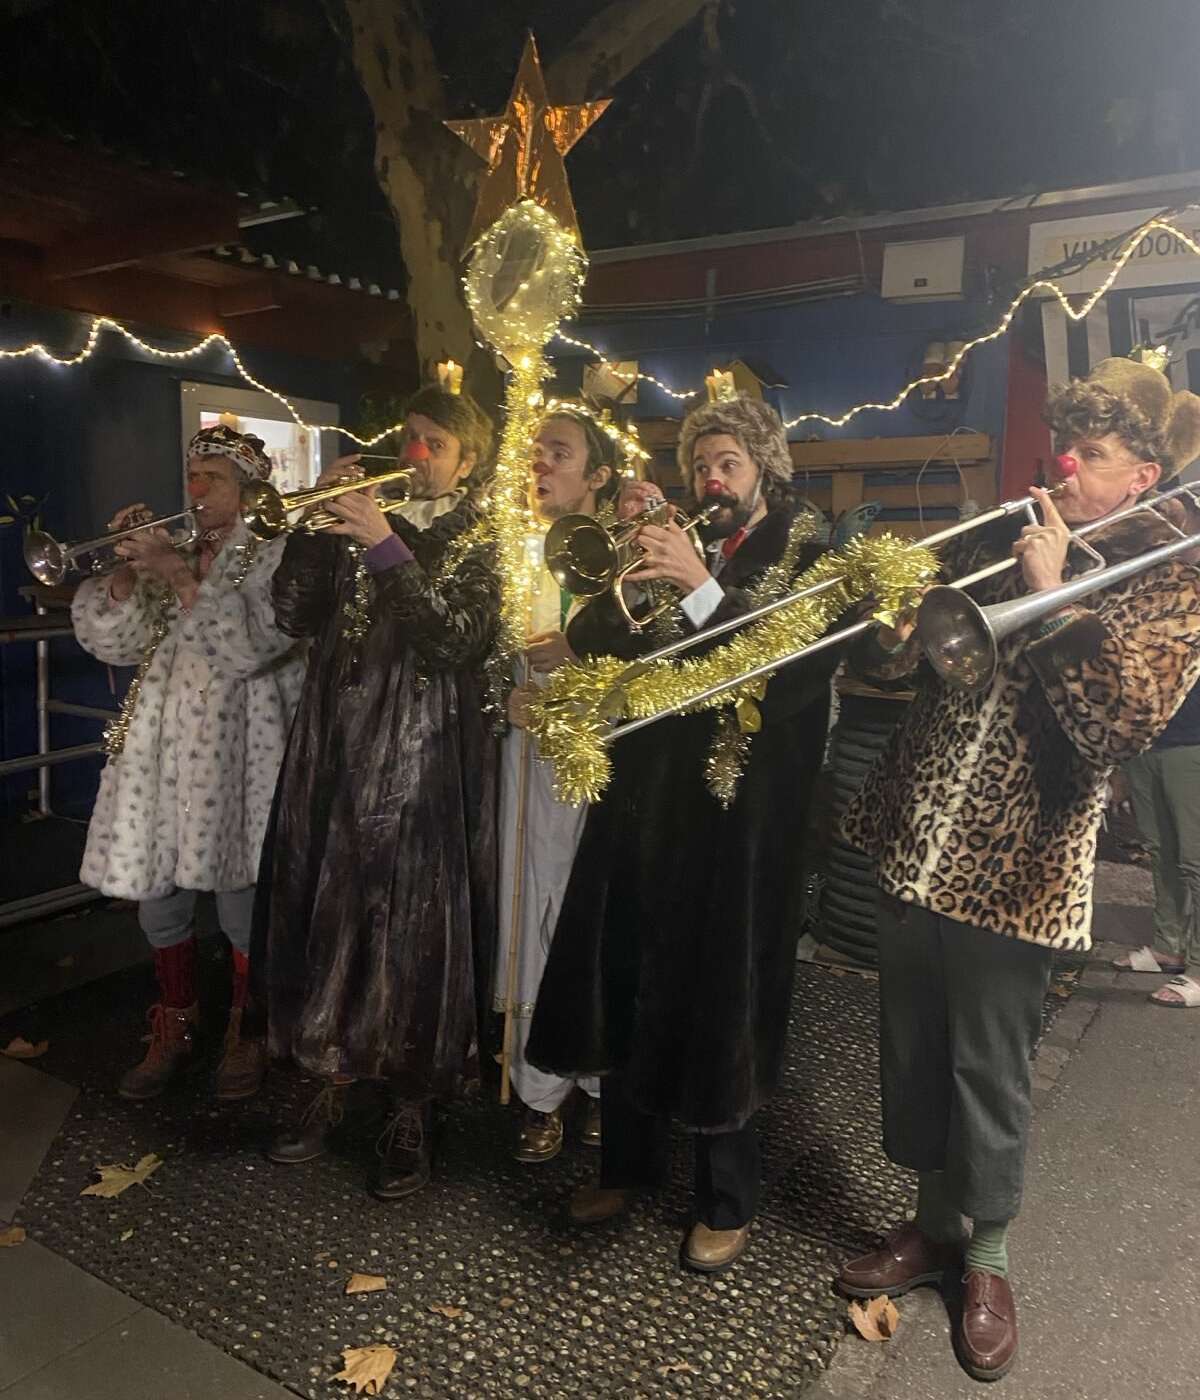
pixel 515 918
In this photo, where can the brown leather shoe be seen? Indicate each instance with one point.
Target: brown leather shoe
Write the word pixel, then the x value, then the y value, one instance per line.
pixel 243 1065
pixel 172 1049
pixel 907 1260
pixel 541 1136
pixel 592 1205
pixel 987 1333
pixel 590 1133
pixel 712 1251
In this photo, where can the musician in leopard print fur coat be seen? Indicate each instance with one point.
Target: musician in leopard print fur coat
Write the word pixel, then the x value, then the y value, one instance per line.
pixel 982 816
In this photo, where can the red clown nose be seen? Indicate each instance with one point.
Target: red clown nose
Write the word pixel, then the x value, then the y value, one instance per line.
pixel 416 451
pixel 713 487
pixel 1067 465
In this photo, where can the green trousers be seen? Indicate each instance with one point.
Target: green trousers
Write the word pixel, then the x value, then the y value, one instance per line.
pixel 1165 785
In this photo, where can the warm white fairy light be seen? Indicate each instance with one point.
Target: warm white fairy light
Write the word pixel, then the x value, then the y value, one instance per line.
pixel 100 324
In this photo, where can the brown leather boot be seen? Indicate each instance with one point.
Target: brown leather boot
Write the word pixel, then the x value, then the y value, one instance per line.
pixel 172 1049
pixel 243 1065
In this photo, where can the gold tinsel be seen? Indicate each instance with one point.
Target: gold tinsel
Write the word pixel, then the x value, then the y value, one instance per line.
pixel 571 717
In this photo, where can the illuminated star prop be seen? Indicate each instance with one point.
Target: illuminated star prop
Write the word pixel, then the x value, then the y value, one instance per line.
pixel 524 149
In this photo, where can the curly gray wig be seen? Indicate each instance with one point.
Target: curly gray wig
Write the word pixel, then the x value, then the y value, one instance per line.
pixel 755 426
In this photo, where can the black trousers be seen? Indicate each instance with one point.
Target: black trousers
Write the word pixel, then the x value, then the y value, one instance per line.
pixel 961 1010
pixel 635 1152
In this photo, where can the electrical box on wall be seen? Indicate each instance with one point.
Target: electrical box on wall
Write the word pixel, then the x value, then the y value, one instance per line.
pixel 929 269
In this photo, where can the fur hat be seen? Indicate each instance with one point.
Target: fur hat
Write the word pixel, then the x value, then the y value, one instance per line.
pixel 1136 402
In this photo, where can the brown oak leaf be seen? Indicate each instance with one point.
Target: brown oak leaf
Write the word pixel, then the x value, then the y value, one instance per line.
pixel 445 1310
pixel 366 1283
pixel 115 1179
pixel 20 1049
pixel 877 1321
pixel 15 1234
pixel 367 1368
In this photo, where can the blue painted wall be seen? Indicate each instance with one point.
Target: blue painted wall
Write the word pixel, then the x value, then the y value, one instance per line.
pixel 833 354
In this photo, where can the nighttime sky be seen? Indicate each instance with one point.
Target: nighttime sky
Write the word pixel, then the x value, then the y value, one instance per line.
pixel 789 109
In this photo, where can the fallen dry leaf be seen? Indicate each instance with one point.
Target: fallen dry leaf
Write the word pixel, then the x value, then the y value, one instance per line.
pixel 445 1310
pixel 877 1321
pixel 672 1368
pixel 20 1049
pixel 114 1180
pixel 366 1283
pixel 126 1235
pixel 15 1234
pixel 367 1368
pixel 508 1302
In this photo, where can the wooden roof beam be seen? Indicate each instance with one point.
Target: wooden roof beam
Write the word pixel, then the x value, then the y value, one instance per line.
pixel 104 247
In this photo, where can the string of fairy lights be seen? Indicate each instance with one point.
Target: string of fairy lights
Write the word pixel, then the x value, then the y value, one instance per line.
pixel 101 324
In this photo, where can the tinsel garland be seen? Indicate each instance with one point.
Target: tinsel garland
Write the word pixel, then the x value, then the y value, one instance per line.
pixel 116 731
pixel 509 521
pixel 571 717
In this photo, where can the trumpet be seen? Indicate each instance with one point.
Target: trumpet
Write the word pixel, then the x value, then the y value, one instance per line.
pixel 50 561
pixel 265 510
pixel 587 558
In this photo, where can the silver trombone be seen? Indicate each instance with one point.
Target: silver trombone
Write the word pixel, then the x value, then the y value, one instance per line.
pixel 970 628
pixel 961 638
pixel 1024 504
pixel 50 561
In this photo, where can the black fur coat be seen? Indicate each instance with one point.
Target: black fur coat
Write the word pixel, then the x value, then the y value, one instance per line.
pixel 375 914
pixel 674 954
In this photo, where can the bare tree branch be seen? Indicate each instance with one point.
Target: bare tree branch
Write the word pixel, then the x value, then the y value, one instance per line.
pixel 614 42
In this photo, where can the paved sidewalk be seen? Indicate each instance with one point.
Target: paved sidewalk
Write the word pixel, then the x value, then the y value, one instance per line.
pixel 1104 1255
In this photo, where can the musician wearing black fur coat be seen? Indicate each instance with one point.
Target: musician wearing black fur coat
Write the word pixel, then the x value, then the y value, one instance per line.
pixel 672 965
pixel 375 916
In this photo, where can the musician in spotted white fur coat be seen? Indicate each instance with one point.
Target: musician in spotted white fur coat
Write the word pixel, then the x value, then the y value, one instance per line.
pixel 186 792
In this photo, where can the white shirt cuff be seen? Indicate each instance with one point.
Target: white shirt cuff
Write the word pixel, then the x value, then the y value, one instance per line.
pixel 702 602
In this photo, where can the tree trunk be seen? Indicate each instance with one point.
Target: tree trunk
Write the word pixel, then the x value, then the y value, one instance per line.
pixel 423 169
pixel 428 175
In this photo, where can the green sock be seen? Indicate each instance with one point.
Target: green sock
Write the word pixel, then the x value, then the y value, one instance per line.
pixel 936 1217
pixel 988 1247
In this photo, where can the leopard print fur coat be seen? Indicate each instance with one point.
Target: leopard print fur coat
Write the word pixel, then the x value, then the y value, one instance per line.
pixel 986 806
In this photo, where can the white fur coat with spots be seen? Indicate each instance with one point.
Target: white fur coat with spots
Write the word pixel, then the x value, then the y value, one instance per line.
pixel 186 802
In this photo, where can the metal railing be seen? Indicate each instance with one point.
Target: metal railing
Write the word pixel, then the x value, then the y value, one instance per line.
pixel 41 630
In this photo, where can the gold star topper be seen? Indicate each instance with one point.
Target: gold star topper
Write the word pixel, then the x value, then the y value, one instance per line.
pixel 524 148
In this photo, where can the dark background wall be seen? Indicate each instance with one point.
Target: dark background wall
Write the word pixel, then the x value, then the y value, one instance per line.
pixel 90 439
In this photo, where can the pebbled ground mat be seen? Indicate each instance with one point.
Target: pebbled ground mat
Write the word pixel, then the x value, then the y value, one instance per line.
pixel 488 1292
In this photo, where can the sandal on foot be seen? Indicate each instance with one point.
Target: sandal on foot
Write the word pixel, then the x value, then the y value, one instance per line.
pixel 1186 993
pixel 1145 959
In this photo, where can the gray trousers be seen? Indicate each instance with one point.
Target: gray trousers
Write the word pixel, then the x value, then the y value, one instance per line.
pixel 168 920
pixel 961 1009
pixel 1165 784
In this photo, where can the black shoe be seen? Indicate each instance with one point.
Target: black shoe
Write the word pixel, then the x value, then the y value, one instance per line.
pixel 405 1151
pixel 309 1139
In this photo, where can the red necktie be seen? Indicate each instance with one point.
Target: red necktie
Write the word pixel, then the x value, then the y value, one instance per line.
pixel 731 545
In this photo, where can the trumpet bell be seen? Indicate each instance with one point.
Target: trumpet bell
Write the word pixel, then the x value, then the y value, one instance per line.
pixel 263 510
pixel 581 555
pixel 45 557
pixel 958 639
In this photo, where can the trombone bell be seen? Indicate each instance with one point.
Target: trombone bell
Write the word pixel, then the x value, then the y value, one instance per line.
pixel 957 637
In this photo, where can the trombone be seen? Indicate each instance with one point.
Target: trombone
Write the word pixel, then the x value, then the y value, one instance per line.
pixel 265 510
pixel 961 638
pixel 50 561
pixel 588 558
